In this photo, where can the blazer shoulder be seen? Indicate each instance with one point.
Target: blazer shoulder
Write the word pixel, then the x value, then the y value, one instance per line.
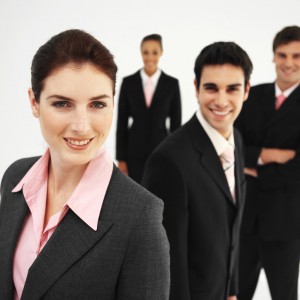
pixel 132 77
pixel 174 145
pixel 132 194
pixel 260 88
pixel 169 77
pixel 17 170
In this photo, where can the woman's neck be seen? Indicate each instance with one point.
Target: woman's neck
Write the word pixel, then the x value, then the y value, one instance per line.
pixel 62 181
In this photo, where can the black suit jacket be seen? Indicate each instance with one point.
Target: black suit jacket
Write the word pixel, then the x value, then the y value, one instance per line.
pixel 200 218
pixel 127 257
pixel 148 126
pixel 273 199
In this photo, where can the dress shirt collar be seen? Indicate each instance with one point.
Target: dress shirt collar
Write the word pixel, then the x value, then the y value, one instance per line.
pixel 87 198
pixel 287 92
pixel 154 78
pixel 218 141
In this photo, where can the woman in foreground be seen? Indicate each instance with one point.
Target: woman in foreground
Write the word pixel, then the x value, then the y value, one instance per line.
pixel 72 226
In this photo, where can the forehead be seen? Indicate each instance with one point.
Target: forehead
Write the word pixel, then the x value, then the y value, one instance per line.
pixel 72 79
pixel 292 47
pixel 151 44
pixel 226 74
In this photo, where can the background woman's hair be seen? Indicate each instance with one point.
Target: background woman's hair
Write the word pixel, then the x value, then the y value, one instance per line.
pixel 153 37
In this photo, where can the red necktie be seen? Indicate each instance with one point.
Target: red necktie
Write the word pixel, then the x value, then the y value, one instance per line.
pixel 148 91
pixel 227 160
pixel 279 100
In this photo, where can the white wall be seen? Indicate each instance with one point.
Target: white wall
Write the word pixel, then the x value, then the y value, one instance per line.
pixel 186 26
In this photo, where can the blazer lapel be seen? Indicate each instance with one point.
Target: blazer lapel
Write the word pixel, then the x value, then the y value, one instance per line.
pixel 138 91
pixel 13 214
pixel 239 171
pixel 160 88
pixel 289 106
pixel 208 156
pixel 71 240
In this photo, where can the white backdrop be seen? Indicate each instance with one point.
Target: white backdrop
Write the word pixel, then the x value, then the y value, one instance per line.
pixel 186 26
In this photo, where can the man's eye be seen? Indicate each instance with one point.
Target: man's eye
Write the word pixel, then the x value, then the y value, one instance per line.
pixel 210 88
pixel 61 104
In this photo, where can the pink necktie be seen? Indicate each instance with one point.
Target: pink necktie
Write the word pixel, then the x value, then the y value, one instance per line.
pixel 279 100
pixel 227 160
pixel 148 90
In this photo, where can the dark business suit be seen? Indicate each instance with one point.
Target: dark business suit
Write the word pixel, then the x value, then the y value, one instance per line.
pixel 200 218
pixel 136 142
pixel 272 212
pixel 127 257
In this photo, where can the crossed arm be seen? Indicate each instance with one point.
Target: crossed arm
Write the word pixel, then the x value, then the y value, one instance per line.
pixel 272 155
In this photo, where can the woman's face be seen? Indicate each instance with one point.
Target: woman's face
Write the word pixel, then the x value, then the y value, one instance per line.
pixel 151 53
pixel 75 112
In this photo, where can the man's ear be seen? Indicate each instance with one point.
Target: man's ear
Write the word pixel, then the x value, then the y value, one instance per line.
pixel 196 88
pixel 247 91
pixel 33 103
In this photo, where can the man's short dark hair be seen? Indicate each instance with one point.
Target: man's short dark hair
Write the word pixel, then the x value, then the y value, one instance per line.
pixel 286 35
pixel 221 53
pixel 153 37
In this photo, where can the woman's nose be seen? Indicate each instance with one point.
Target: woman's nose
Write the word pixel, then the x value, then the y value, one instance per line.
pixel 80 122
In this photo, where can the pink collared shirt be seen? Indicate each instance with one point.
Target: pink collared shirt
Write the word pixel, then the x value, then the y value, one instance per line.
pixel 86 201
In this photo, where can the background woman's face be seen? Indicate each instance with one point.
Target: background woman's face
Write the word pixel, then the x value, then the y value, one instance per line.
pixel 151 53
pixel 75 112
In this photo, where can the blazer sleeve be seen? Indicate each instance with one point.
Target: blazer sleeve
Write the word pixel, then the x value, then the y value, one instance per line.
pixel 163 178
pixel 280 175
pixel 145 272
pixel 122 124
pixel 175 113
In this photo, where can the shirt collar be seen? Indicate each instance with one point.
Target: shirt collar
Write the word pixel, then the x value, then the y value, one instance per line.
pixel 287 92
pixel 154 78
pixel 35 177
pixel 87 199
pixel 218 141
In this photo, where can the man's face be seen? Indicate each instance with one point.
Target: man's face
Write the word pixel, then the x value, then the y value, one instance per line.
pixel 287 63
pixel 221 95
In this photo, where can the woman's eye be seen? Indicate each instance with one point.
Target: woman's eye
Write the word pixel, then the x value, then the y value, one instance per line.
pixel 98 104
pixel 61 104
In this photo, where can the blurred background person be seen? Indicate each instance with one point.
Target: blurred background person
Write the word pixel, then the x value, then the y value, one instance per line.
pixel 270 126
pixel 148 98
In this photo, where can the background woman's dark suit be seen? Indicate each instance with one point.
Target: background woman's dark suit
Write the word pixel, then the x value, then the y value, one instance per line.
pixel 126 258
pixel 136 143
pixel 200 218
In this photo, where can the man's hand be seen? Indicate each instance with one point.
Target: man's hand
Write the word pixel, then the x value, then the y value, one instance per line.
pixel 122 165
pixel 232 298
pixel 250 172
pixel 280 156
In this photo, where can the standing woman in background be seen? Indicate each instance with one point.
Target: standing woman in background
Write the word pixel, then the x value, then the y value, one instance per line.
pixel 149 97
pixel 72 225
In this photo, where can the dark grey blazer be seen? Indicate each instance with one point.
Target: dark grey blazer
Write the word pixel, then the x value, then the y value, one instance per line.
pixel 200 218
pixel 126 258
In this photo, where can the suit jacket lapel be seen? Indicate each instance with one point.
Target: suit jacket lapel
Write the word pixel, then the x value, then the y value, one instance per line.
pixel 71 240
pixel 138 91
pixel 208 156
pixel 239 170
pixel 161 86
pixel 290 105
pixel 14 214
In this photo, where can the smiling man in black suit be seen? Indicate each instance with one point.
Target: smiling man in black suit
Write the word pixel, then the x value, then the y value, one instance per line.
pixel 198 173
pixel 270 126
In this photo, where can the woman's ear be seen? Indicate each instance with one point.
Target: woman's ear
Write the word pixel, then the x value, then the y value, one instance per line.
pixel 33 103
